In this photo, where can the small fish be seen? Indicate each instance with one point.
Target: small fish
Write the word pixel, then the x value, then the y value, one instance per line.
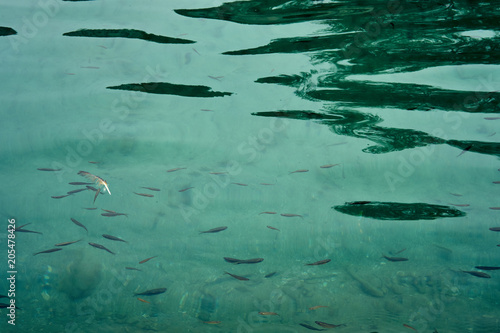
pixel 98 180
pixel 270 275
pixel 264 313
pixel 151 292
pixel 113 214
pixel 495 229
pixel 80 183
pixel 299 171
pixel 495 208
pixel 240 184
pixel 312 328
pixel 291 215
pixel 109 211
pixel 496 182
pixel 465 150
pixel 218 78
pixel 317 307
pixel 133 269
pixel 152 188
pixel 145 260
pixel 456 194
pixel 79 224
pixel 67 243
pixel 59 196
pixel 395 258
pixel 218 173
pixel 328 166
pixel 213 230
pixel 142 300
pixel 243 261
pixel 91 208
pixel 94 162
pixel 91 188
pixel 175 169
pixel 231 260
pixel 408 326
pixel 270 213
pixel 326 325
pixel 488 268
pixel 145 194
pixel 273 228
pixel 478 274
pixel 47 251
pixel 99 246
pixel 491 118
pixel 238 277
pixel 213 322
pixel 76 191
pixel 399 251
pixel 185 189
pixel 20 229
pixel 321 262
pixel 114 238
pixel 48 169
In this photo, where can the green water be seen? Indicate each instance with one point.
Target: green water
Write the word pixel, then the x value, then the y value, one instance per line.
pixel 388 110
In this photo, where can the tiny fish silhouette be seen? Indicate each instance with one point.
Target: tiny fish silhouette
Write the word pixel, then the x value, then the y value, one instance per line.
pixel 99 246
pixel 211 231
pixel 114 238
pixel 67 243
pixel 395 258
pixel 145 194
pixel 79 224
pixel 299 171
pixel 145 260
pixel 47 251
pixel 478 274
pixel 151 292
pixel 48 169
pixel 321 262
pixel 241 278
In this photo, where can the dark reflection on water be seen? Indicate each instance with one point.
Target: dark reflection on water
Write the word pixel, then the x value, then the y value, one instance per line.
pixel 6 31
pixel 171 89
pixel 398 210
pixel 364 126
pixel 127 33
pixel 377 37
pixel 278 11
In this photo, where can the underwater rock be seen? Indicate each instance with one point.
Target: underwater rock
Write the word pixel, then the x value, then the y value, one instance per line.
pixel 81 278
pixel 398 211
pixel 366 286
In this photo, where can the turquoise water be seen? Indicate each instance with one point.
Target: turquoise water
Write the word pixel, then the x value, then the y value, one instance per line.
pixel 370 125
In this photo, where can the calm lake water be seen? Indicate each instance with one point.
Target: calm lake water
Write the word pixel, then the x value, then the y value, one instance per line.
pixel 351 145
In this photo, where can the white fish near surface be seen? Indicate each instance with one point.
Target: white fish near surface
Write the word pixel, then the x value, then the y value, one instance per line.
pixel 98 180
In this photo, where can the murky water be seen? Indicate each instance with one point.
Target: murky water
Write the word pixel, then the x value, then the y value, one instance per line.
pixel 364 132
